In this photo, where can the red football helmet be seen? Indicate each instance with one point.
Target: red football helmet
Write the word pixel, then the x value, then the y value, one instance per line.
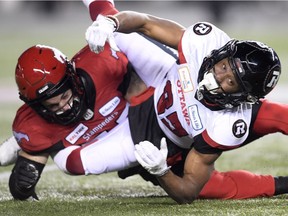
pixel 43 72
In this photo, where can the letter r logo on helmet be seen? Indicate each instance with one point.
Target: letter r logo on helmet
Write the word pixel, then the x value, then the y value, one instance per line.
pixel 273 79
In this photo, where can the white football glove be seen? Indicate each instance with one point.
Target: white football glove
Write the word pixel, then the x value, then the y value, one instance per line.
pixel 151 158
pixel 9 151
pixel 101 31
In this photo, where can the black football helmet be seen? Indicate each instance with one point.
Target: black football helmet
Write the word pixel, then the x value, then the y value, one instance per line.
pixel 257 69
pixel 43 72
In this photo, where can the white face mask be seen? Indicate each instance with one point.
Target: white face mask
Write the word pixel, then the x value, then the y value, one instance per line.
pixel 209 82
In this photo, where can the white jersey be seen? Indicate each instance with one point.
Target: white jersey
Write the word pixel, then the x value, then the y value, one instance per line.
pixel 180 115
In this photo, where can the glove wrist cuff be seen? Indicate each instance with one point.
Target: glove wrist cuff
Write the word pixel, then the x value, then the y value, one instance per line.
pixel 163 172
pixel 115 21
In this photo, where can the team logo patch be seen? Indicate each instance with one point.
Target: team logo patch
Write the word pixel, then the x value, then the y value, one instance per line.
pixel 19 136
pixel 272 79
pixel 202 29
pixel 239 128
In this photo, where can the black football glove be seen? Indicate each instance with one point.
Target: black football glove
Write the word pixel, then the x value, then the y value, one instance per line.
pixel 24 178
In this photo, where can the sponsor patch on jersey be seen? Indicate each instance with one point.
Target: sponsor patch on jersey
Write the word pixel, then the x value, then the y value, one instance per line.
pixel 76 133
pixel 99 128
pixel 185 78
pixel 239 128
pixel 202 29
pixel 109 107
pixel 195 117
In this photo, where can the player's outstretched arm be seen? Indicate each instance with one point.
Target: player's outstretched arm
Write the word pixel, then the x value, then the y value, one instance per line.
pixel 9 151
pixel 163 30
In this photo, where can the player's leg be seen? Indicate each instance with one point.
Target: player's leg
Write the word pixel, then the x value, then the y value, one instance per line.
pixel 238 184
pixel 272 117
pixel 61 158
pixel 9 151
pixel 113 152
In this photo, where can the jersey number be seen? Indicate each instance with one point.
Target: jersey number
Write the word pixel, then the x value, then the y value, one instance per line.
pixel 171 121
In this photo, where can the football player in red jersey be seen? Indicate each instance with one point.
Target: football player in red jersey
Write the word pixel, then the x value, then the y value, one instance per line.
pixel 68 105
pixel 67 127
pixel 235 76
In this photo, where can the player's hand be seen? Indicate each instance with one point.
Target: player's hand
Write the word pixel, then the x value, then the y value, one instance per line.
pixel 151 158
pixel 101 31
pixel 9 151
pixel 23 180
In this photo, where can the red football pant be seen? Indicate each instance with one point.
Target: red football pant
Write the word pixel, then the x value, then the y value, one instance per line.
pixel 271 118
pixel 238 184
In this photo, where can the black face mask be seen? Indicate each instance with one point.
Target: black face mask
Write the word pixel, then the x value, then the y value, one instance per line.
pixel 79 105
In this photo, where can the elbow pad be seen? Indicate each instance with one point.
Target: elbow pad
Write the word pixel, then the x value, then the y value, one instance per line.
pixel 24 178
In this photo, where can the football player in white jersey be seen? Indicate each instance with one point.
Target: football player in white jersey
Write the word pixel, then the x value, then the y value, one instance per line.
pixel 81 159
pixel 216 81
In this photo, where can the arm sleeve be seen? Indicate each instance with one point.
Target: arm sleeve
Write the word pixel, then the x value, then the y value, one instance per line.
pixel 100 7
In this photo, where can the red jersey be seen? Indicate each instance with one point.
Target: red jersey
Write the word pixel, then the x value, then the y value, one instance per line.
pixel 106 70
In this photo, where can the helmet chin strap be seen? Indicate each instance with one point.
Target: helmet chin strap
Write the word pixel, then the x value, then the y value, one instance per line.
pixel 209 82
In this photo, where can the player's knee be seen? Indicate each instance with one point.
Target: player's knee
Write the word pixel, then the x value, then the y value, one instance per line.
pixel 74 163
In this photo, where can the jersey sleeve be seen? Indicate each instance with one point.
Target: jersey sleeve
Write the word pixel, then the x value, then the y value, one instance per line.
pixel 113 63
pixel 199 40
pixel 30 132
pixel 227 129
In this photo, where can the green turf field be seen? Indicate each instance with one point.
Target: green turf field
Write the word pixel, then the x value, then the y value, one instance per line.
pixel 106 194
